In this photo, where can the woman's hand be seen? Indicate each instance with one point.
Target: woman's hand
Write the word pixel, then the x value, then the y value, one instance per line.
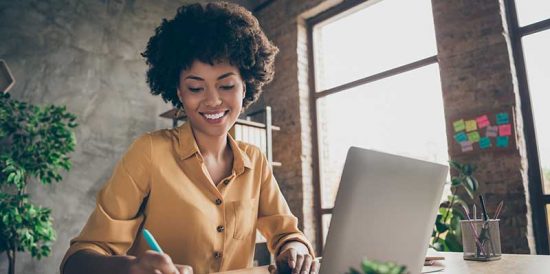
pixel 154 262
pixel 294 258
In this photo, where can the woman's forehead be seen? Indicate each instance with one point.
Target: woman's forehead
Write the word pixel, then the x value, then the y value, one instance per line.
pixel 214 70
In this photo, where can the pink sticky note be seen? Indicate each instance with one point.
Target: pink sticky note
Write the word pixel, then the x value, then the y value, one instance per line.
pixel 482 121
pixel 505 130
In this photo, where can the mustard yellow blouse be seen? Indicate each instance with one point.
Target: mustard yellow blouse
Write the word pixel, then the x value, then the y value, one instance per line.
pixel 161 184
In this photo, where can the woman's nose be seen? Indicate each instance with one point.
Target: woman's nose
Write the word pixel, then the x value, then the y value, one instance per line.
pixel 212 99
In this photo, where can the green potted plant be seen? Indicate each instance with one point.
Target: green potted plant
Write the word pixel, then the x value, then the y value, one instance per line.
pixel 376 267
pixel 34 144
pixel 446 235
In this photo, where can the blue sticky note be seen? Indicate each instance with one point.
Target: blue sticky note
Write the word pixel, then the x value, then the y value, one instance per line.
pixel 502 141
pixel 502 118
pixel 485 142
pixel 461 137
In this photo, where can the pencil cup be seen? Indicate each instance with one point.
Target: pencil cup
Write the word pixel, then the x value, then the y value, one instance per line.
pixel 481 240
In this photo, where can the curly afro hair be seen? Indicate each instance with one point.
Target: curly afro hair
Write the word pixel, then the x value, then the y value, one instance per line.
pixel 209 33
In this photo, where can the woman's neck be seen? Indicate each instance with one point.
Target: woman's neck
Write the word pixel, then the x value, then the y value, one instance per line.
pixel 212 147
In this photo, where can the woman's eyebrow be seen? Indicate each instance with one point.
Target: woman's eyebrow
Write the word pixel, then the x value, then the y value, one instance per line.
pixel 194 78
pixel 225 75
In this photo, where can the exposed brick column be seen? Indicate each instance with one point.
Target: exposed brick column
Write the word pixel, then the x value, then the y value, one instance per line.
pixel 478 75
pixel 288 94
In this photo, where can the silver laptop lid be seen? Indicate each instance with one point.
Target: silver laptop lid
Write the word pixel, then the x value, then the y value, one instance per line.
pixel 385 209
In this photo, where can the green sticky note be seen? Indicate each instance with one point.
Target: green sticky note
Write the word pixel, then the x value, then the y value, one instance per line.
pixel 502 118
pixel 473 136
pixel 461 137
pixel 459 125
pixel 485 142
pixel 502 141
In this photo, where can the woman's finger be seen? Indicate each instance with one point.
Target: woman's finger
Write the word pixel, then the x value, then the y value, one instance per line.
pixel 292 258
pixel 306 265
pixel 158 261
pixel 299 262
pixel 314 267
pixel 184 269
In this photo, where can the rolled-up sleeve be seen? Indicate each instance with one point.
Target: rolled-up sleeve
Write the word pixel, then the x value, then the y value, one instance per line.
pixel 275 220
pixel 114 223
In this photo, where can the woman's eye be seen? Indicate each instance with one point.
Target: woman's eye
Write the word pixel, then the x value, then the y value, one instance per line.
pixel 192 89
pixel 228 87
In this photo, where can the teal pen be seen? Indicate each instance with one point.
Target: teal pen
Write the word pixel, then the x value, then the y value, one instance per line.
pixel 151 241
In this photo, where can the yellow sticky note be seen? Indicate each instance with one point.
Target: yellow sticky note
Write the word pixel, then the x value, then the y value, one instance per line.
pixel 471 125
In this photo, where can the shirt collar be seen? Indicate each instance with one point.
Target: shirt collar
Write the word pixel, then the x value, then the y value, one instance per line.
pixel 188 147
pixel 187 144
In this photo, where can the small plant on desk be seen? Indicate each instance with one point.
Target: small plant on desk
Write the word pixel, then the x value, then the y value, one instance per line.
pixel 446 235
pixel 375 267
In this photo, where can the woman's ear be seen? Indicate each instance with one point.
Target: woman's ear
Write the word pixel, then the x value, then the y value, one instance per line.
pixel 178 93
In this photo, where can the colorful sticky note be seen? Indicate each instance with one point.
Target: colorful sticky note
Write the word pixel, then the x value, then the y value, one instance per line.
pixel 482 121
pixel 459 125
pixel 492 131
pixel 466 146
pixel 473 136
pixel 502 118
pixel 485 142
pixel 471 125
pixel 502 141
pixel 505 130
pixel 461 137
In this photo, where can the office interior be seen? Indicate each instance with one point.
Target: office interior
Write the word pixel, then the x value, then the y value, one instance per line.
pixel 437 80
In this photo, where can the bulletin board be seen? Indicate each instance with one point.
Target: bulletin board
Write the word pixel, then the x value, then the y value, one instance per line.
pixel 483 132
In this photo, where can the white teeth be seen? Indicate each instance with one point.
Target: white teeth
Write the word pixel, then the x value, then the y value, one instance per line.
pixel 214 116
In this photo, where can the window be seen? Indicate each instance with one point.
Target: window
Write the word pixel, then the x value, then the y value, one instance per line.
pixel 529 22
pixel 377 87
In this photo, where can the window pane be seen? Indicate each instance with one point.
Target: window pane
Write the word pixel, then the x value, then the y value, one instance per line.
pixel 402 114
pixel 531 11
pixel 537 64
pixel 326 226
pixel 385 35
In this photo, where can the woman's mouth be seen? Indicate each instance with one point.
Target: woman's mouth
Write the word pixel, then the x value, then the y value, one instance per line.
pixel 214 117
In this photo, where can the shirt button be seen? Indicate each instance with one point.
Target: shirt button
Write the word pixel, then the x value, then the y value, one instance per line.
pixel 218 201
pixel 217 255
pixel 220 228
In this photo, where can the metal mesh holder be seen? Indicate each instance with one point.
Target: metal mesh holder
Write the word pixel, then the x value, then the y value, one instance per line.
pixel 481 240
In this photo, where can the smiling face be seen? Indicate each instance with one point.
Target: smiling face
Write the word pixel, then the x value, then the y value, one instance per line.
pixel 212 96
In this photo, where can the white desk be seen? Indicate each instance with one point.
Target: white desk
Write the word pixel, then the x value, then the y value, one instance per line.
pixel 509 263
pixel 454 264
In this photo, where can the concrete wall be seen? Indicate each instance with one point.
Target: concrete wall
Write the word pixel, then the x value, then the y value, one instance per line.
pixel 86 55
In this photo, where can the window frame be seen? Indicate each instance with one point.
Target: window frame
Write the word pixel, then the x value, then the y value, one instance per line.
pixel 329 14
pixel 538 199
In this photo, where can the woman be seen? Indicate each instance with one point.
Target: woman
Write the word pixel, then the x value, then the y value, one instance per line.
pixel 197 190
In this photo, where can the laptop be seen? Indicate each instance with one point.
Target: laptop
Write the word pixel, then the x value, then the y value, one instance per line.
pixel 385 210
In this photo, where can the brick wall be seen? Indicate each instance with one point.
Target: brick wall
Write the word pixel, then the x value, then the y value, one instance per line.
pixel 284 23
pixel 477 74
